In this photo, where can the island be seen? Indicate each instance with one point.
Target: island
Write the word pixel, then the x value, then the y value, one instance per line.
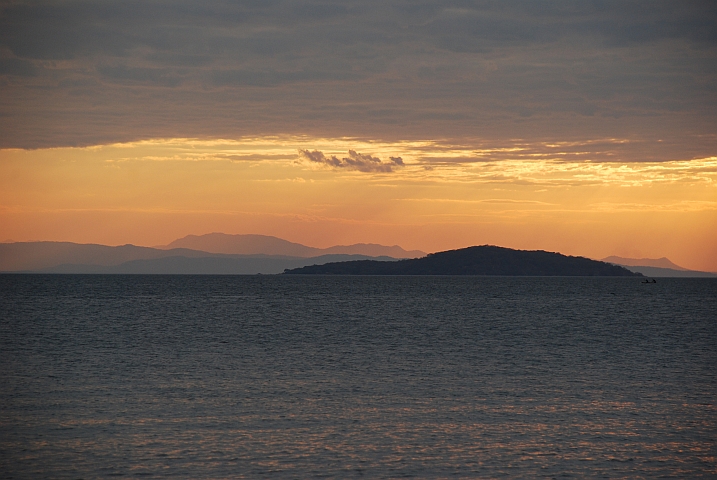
pixel 478 260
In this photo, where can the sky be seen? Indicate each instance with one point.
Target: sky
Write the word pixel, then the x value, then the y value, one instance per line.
pixel 588 128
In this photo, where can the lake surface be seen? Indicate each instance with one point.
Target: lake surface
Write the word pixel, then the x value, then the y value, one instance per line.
pixel 300 377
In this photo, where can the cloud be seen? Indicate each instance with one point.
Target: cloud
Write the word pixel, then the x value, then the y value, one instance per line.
pixel 273 78
pixel 152 76
pixel 355 161
pixel 17 67
pixel 83 72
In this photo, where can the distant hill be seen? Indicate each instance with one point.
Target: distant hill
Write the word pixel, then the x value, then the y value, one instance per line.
pixel 243 245
pixel 210 265
pixel 670 272
pixel 75 257
pixel 66 257
pixel 663 262
pixel 656 267
pixel 481 260
pixel 373 250
pixel 268 245
pixel 29 256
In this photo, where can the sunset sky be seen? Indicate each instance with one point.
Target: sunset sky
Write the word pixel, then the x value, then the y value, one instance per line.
pixel 587 128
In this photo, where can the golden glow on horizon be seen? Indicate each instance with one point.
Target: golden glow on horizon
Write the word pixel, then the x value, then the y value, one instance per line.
pixel 547 196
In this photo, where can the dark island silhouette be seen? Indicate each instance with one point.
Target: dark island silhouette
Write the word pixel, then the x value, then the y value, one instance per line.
pixel 480 260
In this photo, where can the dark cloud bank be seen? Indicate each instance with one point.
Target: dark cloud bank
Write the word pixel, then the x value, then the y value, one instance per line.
pixel 87 72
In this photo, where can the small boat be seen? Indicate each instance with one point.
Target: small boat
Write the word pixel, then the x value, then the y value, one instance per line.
pixel 647 280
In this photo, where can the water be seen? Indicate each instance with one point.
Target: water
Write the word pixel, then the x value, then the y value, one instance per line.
pixel 297 377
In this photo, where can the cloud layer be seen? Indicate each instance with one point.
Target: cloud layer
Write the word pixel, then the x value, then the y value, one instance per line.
pixel 81 72
pixel 355 161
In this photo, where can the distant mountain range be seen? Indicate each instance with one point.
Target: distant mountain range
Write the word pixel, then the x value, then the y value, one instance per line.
pixel 219 253
pixel 480 260
pixel 210 254
pixel 209 265
pixel 656 267
pixel 267 245
pixel 663 262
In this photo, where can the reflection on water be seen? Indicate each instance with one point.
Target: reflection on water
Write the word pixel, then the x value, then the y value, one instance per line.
pixel 345 377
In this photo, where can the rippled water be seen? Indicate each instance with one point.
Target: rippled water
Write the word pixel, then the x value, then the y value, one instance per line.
pixel 230 376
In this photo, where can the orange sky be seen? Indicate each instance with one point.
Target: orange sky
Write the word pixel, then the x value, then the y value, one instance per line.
pixel 519 195
pixel 587 128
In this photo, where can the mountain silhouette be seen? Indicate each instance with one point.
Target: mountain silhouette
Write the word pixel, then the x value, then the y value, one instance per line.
pixel 268 245
pixel 30 256
pixel 663 262
pixel 68 257
pixel 670 272
pixel 215 264
pixel 479 260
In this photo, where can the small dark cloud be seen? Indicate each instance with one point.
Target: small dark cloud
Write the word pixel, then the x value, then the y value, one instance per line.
pixel 17 67
pixel 270 78
pixel 319 11
pixel 179 59
pixel 355 161
pixel 151 76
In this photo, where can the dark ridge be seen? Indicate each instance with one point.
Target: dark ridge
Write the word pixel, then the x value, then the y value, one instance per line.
pixel 209 265
pixel 483 260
